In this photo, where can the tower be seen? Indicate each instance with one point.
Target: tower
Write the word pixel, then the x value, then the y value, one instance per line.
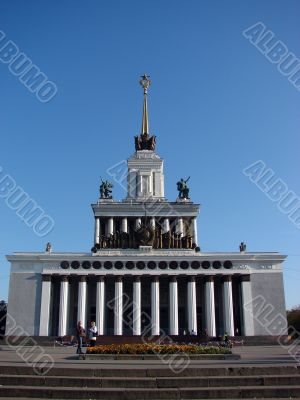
pixel 145 217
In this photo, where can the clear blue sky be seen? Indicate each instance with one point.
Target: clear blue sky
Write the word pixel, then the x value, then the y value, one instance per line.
pixel 216 105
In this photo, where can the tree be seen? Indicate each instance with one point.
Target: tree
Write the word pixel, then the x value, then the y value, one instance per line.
pixel 3 312
pixel 293 317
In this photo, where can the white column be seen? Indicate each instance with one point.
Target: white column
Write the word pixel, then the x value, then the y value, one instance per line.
pixel 81 313
pixel 146 185
pixel 139 185
pixel 63 306
pixel 155 307
pixel 118 307
pixel 138 223
pixel 210 313
pixel 131 181
pixel 192 305
pixel 100 305
pixel 228 306
pixel 137 306
pixel 246 306
pixel 173 292
pixel 195 231
pixel 179 226
pixel 152 222
pixel 45 305
pixel 166 226
pixel 124 225
pixel 97 230
pixel 161 184
pixel 151 184
pixel 110 226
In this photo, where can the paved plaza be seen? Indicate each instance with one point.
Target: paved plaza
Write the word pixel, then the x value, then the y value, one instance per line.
pixel 66 357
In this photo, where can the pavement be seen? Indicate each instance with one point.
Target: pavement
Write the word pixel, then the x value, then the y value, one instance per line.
pixel 65 357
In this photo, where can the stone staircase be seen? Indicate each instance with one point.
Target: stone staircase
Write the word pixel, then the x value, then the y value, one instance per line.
pixel 157 383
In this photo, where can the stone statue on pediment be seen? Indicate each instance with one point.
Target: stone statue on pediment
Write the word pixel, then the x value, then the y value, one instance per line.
pixel 48 247
pixel 106 189
pixel 183 188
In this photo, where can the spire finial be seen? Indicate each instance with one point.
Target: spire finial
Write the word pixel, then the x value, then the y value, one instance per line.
pixel 145 141
pixel 145 83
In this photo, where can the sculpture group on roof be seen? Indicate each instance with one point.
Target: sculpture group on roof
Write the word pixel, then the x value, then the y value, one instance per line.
pixel 183 188
pixel 145 235
pixel 106 189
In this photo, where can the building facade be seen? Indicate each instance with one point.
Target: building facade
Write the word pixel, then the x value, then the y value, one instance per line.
pixel 146 273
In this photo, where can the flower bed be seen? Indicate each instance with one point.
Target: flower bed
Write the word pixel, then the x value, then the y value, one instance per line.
pixel 152 348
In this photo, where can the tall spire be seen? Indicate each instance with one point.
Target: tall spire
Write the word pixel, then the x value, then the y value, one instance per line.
pixel 145 83
pixel 145 141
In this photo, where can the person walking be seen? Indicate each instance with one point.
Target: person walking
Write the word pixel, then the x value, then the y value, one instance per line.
pixel 80 334
pixel 92 334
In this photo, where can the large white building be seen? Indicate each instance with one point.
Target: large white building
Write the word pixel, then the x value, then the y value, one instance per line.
pixel 146 272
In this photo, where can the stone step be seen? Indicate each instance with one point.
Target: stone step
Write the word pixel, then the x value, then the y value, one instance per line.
pixel 151 394
pixel 150 382
pixel 86 371
pixel 257 398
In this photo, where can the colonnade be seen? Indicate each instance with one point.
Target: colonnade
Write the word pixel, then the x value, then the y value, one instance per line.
pixel 178 225
pixel 209 306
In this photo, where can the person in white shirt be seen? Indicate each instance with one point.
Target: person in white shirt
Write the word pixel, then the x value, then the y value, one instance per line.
pixel 92 334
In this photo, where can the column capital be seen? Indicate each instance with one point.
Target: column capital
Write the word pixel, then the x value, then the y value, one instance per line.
pixel 155 278
pixel 64 278
pixel 90 277
pixel 82 278
pixel 209 278
pixel 173 278
pixel 73 278
pixel 137 278
pixel 245 278
pixel 119 278
pixel 192 278
pixel 46 277
pixel 99 278
pixel 227 278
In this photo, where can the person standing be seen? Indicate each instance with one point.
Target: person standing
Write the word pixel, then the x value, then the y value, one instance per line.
pixel 92 334
pixel 80 333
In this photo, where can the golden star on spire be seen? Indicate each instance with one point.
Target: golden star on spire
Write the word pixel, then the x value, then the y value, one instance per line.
pixel 145 82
